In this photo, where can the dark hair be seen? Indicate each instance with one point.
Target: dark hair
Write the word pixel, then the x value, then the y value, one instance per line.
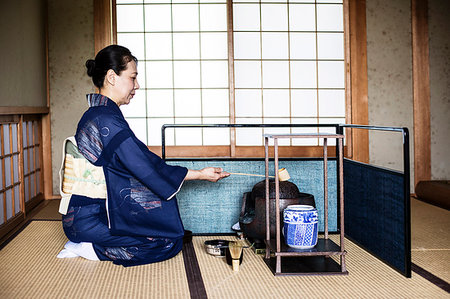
pixel 113 57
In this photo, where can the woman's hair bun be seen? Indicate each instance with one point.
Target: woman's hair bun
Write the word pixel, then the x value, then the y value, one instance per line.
pixel 90 65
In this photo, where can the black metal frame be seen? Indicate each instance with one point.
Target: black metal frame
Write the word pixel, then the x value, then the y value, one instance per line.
pixel 406 184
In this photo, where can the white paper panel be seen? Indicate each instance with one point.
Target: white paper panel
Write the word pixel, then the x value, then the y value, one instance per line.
pixel 331 74
pixel 1 178
pixel 281 142
pixel 215 103
pixel 15 137
pixel 330 17
pixel 303 45
pixel 302 17
pixel 185 17
pixel 331 103
pixel 249 136
pixel 159 74
pixel 32 155
pixel 330 45
pixel 139 127
pixel 247 45
pixel 214 45
pixel 186 74
pixel 304 141
pixel 276 103
pixel 248 103
pixel 247 74
pixel 214 74
pixel 303 103
pixel 134 42
pixel 24 134
pixel 216 136
pixel 188 136
pixel 9 199
pixel 33 187
pixel 125 13
pixel 158 46
pixel 157 18
pixel 246 17
pixel 25 162
pixel 16 168
pixel 275 46
pixel 16 200
pixel 274 17
pixel 331 141
pixel 154 131
pixel 2 212
pixel 275 74
pixel 213 17
pixel 160 103
pixel 136 107
pixel 142 78
pixel 8 179
pixel 6 144
pixel 186 46
pixel 303 74
pixel 30 132
pixel 187 103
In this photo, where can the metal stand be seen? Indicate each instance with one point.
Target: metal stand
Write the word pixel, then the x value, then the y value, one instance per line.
pixel 315 261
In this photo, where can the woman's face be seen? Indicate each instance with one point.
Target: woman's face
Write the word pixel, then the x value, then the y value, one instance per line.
pixel 126 84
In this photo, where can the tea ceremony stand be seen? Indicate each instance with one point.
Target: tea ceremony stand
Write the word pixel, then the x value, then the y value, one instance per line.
pixel 284 260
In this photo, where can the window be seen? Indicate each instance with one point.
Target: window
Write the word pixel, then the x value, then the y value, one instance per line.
pixel 20 160
pixel 286 61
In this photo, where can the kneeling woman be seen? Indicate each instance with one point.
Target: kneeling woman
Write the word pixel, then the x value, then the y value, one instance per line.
pixel 139 223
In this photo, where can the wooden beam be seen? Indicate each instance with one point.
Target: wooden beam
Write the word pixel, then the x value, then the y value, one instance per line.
pixel 358 78
pixel 23 110
pixel 103 24
pixel 421 90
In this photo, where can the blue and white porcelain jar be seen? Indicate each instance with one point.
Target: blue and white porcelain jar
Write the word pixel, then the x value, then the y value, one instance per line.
pixel 300 226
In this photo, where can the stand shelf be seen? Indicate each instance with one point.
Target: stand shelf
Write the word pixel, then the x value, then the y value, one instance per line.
pixel 284 260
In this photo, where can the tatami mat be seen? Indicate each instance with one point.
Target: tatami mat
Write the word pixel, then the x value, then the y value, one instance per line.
pixel 29 269
pixel 368 278
pixel 430 244
pixel 50 211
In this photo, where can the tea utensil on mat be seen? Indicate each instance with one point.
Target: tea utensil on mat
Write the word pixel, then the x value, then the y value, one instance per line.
pixel 235 252
pixel 283 174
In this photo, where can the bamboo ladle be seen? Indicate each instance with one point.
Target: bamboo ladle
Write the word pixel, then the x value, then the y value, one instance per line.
pixel 283 174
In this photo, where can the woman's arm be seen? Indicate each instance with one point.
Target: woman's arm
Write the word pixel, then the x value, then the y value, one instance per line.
pixel 212 174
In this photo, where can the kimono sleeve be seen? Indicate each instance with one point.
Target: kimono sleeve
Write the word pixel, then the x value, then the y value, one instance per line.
pixel 162 179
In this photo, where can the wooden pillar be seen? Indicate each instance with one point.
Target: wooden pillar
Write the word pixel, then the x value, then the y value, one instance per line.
pixel 358 82
pixel 421 90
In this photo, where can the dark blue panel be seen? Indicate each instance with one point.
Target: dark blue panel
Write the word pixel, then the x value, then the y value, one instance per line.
pixel 376 212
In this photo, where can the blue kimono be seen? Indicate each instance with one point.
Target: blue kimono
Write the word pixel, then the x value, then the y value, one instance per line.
pixel 139 223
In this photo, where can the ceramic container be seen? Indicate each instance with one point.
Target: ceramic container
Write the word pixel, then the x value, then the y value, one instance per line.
pixel 300 226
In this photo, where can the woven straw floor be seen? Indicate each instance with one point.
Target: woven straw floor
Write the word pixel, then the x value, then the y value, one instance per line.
pixel 430 244
pixel 29 269
pixel 368 278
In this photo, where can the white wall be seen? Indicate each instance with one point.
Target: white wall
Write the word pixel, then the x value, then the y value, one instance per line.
pixel 439 26
pixel 22 53
pixel 71 43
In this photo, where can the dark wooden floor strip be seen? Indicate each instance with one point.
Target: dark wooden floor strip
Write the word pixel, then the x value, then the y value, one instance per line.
pixel 431 277
pixel 194 276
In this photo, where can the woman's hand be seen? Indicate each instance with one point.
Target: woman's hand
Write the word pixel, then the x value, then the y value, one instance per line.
pixel 212 174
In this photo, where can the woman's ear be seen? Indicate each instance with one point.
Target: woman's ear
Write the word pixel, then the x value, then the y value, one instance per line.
pixel 110 77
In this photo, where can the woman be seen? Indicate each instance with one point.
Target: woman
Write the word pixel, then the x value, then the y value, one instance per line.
pixel 139 223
